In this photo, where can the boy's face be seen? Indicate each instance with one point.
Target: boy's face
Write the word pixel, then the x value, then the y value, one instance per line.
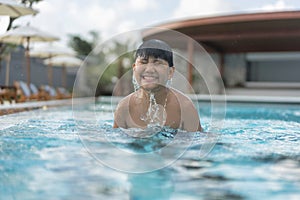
pixel 152 73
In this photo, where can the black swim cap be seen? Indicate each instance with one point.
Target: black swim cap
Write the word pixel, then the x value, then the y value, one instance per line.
pixel 157 49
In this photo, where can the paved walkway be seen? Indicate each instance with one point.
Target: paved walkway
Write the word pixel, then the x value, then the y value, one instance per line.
pixel 31 105
pixel 232 95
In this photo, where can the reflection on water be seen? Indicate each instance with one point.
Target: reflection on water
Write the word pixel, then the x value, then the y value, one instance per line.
pixel 154 185
pixel 42 156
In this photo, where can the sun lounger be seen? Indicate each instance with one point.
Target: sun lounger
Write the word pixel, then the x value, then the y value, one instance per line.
pixel 51 92
pixel 63 93
pixel 39 92
pixel 25 93
pixel 8 93
pixel 58 93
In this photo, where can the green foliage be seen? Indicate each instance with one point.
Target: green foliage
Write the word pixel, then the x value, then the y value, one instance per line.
pixel 116 67
pixel 29 3
pixel 81 46
pixel 4 47
pixel 109 64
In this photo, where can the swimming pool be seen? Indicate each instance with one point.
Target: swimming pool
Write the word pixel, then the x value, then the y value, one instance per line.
pixel 46 154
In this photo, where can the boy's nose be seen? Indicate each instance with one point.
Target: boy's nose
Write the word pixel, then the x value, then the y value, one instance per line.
pixel 150 67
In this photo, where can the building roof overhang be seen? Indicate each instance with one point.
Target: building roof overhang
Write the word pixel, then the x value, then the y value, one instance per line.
pixel 240 33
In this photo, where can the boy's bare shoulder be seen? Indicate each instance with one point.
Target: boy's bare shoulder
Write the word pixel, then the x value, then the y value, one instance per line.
pixel 124 100
pixel 182 98
pixel 124 103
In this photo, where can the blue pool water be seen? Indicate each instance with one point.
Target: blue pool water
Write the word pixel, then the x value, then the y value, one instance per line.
pixel 50 154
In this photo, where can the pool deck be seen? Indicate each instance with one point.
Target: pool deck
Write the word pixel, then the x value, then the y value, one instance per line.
pixel 247 99
pixel 10 108
pixel 290 97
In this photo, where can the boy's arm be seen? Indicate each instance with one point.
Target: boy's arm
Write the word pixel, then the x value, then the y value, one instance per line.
pixel 120 116
pixel 191 121
pixel 118 119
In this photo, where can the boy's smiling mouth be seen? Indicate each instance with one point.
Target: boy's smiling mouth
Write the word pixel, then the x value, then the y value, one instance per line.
pixel 149 78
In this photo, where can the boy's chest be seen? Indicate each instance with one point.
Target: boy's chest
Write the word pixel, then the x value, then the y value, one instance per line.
pixel 140 116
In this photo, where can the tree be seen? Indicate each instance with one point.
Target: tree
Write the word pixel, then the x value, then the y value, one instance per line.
pixel 116 62
pixel 27 3
pixel 81 45
pixel 4 48
pixel 107 66
pixel 113 66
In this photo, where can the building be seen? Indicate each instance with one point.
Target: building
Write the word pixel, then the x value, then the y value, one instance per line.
pixel 255 54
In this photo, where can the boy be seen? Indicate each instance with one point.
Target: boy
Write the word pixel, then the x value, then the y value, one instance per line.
pixel 153 102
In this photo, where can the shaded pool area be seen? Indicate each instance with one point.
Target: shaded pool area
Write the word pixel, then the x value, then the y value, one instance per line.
pixel 46 154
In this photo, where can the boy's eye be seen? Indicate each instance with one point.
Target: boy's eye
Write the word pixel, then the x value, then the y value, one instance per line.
pixel 144 61
pixel 158 62
pixel 155 62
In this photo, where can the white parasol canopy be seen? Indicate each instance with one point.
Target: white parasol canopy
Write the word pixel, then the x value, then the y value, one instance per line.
pixel 63 61
pixel 26 34
pixel 13 9
pixel 23 33
pixel 49 51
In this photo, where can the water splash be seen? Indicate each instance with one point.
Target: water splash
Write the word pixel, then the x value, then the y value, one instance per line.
pixel 135 83
pixel 156 115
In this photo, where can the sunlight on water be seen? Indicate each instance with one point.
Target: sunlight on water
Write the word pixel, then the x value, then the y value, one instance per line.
pixel 52 155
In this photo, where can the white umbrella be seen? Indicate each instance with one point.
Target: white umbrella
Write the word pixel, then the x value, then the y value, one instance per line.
pixel 26 34
pixel 19 34
pixel 63 61
pixel 66 61
pixel 13 9
pixel 49 51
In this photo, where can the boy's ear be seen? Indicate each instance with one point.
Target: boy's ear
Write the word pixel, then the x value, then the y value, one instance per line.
pixel 171 72
pixel 133 66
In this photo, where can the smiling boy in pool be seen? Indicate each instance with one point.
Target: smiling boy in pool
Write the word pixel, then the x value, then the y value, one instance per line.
pixel 154 103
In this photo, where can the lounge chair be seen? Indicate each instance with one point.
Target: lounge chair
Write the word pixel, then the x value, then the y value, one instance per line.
pixel 24 92
pixel 40 93
pixel 8 93
pixel 63 93
pixel 51 92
